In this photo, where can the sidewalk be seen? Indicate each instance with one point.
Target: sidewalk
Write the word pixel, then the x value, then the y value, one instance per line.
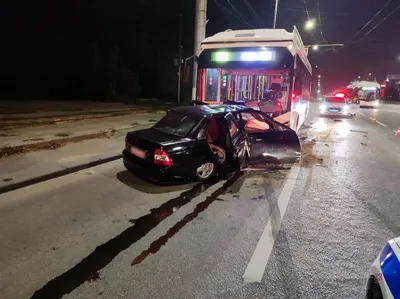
pixel 70 130
pixel 23 170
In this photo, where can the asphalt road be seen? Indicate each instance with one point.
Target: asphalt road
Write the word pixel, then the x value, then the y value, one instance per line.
pixel 308 232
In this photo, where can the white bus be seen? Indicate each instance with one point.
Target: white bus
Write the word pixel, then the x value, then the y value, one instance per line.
pixel 367 92
pixel 266 69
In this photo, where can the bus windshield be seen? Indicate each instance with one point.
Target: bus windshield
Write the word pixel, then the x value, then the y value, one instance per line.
pixel 245 74
pixel 220 84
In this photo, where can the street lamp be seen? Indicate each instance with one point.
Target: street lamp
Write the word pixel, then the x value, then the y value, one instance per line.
pixel 315 47
pixel 310 24
pixel 319 76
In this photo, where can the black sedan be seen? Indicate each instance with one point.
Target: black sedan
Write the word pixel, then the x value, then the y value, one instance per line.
pixel 195 142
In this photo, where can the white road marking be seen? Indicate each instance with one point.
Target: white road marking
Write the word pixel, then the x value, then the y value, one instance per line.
pixel 378 122
pixel 256 267
pixel 362 114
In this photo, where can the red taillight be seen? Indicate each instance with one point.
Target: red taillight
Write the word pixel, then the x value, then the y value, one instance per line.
pixel 339 95
pixel 162 158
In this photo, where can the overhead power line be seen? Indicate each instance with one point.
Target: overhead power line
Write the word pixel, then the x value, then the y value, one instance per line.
pixel 320 23
pixel 254 13
pixel 226 10
pixel 308 15
pixel 380 22
pixel 239 14
pixel 369 22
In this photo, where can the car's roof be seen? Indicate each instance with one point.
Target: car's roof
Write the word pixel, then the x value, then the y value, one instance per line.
pixel 208 110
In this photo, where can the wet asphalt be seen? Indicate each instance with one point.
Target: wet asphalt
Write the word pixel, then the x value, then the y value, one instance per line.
pixel 103 233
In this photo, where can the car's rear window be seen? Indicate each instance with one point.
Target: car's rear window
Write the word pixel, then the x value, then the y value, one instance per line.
pixel 334 100
pixel 176 124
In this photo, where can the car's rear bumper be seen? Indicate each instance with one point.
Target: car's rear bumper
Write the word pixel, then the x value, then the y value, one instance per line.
pixel 154 173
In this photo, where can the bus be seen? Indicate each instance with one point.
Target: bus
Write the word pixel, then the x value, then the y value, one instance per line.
pixel 266 69
pixel 367 92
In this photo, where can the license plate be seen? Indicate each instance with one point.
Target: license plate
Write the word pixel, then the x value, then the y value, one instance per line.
pixel 138 152
pixel 333 110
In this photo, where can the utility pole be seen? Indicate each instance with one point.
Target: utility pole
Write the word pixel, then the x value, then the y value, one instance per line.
pixel 199 35
pixel 276 12
pixel 180 58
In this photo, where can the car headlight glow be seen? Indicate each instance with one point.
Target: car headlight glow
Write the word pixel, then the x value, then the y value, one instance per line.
pixel 322 107
pixel 346 107
pixel 376 103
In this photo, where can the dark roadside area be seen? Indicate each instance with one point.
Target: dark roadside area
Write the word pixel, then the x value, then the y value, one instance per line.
pixel 40 140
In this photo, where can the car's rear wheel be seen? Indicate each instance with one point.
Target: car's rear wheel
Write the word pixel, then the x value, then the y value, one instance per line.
pixel 205 171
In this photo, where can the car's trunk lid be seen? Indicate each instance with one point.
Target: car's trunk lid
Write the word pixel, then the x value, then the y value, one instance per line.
pixel 142 143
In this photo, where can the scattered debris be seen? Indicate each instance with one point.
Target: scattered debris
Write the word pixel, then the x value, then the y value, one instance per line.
pixel 135 123
pixel 358 131
pixel 261 197
pixel 326 144
pixel 152 120
pixel 236 195
pixel 338 120
pixel 320 160
pixel 363 143
pixel 7 179
pixel 308 139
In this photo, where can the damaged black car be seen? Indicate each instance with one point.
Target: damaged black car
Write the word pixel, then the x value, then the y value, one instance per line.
pixel 196 142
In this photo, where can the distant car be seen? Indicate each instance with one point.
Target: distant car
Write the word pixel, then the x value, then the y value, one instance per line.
pixel 384 279
pixel 338 104
pixel 195 142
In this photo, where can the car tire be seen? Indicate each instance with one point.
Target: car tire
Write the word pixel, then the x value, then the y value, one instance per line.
pixel 205 171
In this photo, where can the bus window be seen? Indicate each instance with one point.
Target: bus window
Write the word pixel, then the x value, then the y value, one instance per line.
pixel 212 85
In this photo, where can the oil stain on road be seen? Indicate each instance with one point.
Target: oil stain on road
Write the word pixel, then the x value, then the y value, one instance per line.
pixel 88 268
pixel 156 245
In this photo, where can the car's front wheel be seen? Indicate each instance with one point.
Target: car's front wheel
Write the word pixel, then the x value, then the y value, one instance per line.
pixel 205 171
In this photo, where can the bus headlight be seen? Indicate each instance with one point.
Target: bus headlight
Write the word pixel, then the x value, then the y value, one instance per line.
pixel 346 107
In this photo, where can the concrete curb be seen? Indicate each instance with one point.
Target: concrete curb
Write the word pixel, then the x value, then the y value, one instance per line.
pixel 56 174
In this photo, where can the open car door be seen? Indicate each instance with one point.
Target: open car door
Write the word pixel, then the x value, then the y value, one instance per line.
pixel 236 147
pixel 269 142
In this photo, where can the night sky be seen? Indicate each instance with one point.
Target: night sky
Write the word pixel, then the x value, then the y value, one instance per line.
pixel 49 43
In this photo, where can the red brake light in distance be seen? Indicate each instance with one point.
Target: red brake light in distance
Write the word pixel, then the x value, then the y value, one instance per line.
pixel 162 158
pixel 339 95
